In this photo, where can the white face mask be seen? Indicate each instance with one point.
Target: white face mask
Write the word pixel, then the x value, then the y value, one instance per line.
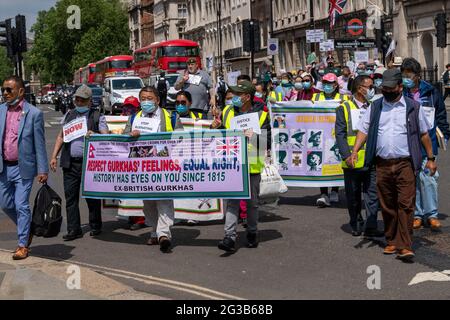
pixel 370 94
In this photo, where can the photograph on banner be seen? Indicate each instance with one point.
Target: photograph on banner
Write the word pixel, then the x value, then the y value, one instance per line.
pixel 75 129
pixel 180 165
pixel 304 148
pixel 185 209
pixel 116 124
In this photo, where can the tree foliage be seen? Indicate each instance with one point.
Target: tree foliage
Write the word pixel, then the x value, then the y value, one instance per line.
pixel 6 66
pixel 58 51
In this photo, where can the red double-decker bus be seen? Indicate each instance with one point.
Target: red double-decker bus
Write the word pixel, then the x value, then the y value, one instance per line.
pixel 77 79
pixel 88 73
pixel 113 66
pixel 169 56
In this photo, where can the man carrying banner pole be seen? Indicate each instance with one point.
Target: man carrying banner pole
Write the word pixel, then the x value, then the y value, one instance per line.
pixel 357 177
pixel 81 121
pixel 243 104
pixel 160 213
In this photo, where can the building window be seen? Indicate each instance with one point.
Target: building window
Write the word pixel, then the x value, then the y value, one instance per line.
pixel 182 10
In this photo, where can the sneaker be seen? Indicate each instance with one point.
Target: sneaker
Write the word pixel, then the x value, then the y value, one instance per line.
pixel 252 238
pixel 227 244
pixel 405 255
pixel 434 223
pixel 334 197
pixel 417 223
pixel 323 201
pixel 164 244
pixel 192 222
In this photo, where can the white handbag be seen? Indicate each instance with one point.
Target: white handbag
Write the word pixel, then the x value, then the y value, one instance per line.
pixel 271 182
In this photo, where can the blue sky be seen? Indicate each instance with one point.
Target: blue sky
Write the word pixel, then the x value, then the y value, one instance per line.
pixel 29 8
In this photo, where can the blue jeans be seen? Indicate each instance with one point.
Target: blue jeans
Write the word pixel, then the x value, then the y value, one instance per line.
pixel 426 195
pixel 14 200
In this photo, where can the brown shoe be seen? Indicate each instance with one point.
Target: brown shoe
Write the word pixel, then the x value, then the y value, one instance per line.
pixel 405 254
pixel 434 223
pixel 21 253
pixel 390 250
pixel 417 223
pixel 152 241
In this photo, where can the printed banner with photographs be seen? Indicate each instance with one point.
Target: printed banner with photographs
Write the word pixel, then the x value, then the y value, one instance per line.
pixel 304 145
pixel 180 165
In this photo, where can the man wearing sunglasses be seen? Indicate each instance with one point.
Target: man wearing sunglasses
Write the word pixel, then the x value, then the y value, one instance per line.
pixel 183 106
pixel 21 132
pixel 357 177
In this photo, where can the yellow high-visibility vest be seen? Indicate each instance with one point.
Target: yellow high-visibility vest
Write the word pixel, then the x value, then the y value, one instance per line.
pixel 321 97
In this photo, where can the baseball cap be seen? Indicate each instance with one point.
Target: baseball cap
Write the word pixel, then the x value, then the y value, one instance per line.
pixel 244 86
pixel 132 101
pixel 380 70
pixel 191 60
pixel 83 92
pixel 306 74
pixel 330 77
pixel 391 78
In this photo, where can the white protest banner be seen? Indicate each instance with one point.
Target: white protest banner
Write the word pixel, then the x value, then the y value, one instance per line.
pixel 232 78
pixel 327 45
pixel 356 115
pixel 146 125
pixel 361 56
pixel 245 122
pixel 194 79
pixel 75 129
pixel 116 124
pixel 315 35
pixel 192 124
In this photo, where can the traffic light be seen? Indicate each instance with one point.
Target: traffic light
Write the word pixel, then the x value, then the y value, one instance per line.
pixel 8 42
pixel 21 32
pixel 385 42
pixel 441 30
pixel 251 36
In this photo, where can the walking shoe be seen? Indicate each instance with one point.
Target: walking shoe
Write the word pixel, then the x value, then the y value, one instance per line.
pixel 192 222
pixel 252 238
pixel 434 223
pixel 164 244
pixel 356 233
pixel 72 235
pixel 373 233
pixel 323 201
pixel 95 232
pixel 390 250
pixel 334 197
pixel 152 241
pixel 21 253
pixel 405 254
pixel 417 223
pixel 227 244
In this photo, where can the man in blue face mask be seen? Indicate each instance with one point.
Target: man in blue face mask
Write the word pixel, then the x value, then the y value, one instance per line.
pixel 72 161
pixel 432 103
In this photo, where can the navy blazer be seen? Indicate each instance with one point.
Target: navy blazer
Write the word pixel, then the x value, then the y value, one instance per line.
pixel 32 150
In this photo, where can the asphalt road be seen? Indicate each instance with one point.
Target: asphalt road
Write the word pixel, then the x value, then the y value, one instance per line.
pixel 305 252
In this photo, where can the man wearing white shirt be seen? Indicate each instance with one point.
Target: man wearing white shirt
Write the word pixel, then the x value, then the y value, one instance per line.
pixel 395 129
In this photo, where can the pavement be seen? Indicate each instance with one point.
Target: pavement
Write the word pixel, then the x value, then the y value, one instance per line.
pixel 304 253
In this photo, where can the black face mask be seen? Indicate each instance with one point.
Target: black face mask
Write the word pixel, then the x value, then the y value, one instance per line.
pixel 391 96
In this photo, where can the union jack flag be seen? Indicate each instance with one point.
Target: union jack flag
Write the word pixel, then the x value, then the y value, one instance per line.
pixel 336 9
pixel 228 147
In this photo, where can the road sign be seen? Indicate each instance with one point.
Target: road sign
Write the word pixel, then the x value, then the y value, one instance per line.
pixel 354 44
pixel 272 47
pixel 315 36
pixel 355 27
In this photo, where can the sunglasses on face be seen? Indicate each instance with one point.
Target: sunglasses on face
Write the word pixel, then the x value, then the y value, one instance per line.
pixel 8 90
pixel 182 102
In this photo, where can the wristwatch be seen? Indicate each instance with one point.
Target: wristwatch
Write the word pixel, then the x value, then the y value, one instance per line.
pixel 433 158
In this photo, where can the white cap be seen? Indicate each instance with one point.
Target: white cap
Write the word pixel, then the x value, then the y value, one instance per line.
pixel 398 61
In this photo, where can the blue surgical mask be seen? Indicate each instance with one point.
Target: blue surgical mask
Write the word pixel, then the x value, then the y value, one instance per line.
pixel 148 106
pixel 328 88
pixel 81 109
pixel 284 82
pixel 306 85
pixel 237 102
pixel 181 109
pixel 228 102
pixel 14 102
pixel 298 85
pixel 259 95
pixel 378 82
pixel 370 94
pixel 409 83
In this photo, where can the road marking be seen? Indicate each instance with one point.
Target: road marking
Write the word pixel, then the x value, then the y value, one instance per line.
pixel 430 276
pixel 172 284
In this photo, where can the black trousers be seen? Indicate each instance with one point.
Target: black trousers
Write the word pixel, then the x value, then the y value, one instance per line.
pixel 357 181
pixel 72 183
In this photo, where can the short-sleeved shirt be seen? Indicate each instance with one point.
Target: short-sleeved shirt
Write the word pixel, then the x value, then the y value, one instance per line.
pixel 77 145
pixel 392 141
pixel 199 93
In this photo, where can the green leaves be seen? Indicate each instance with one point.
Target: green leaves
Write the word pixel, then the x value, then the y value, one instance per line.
pixel 6 67
pixel 58 51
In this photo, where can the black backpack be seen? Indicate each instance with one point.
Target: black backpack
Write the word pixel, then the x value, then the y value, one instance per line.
pixel 47 216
